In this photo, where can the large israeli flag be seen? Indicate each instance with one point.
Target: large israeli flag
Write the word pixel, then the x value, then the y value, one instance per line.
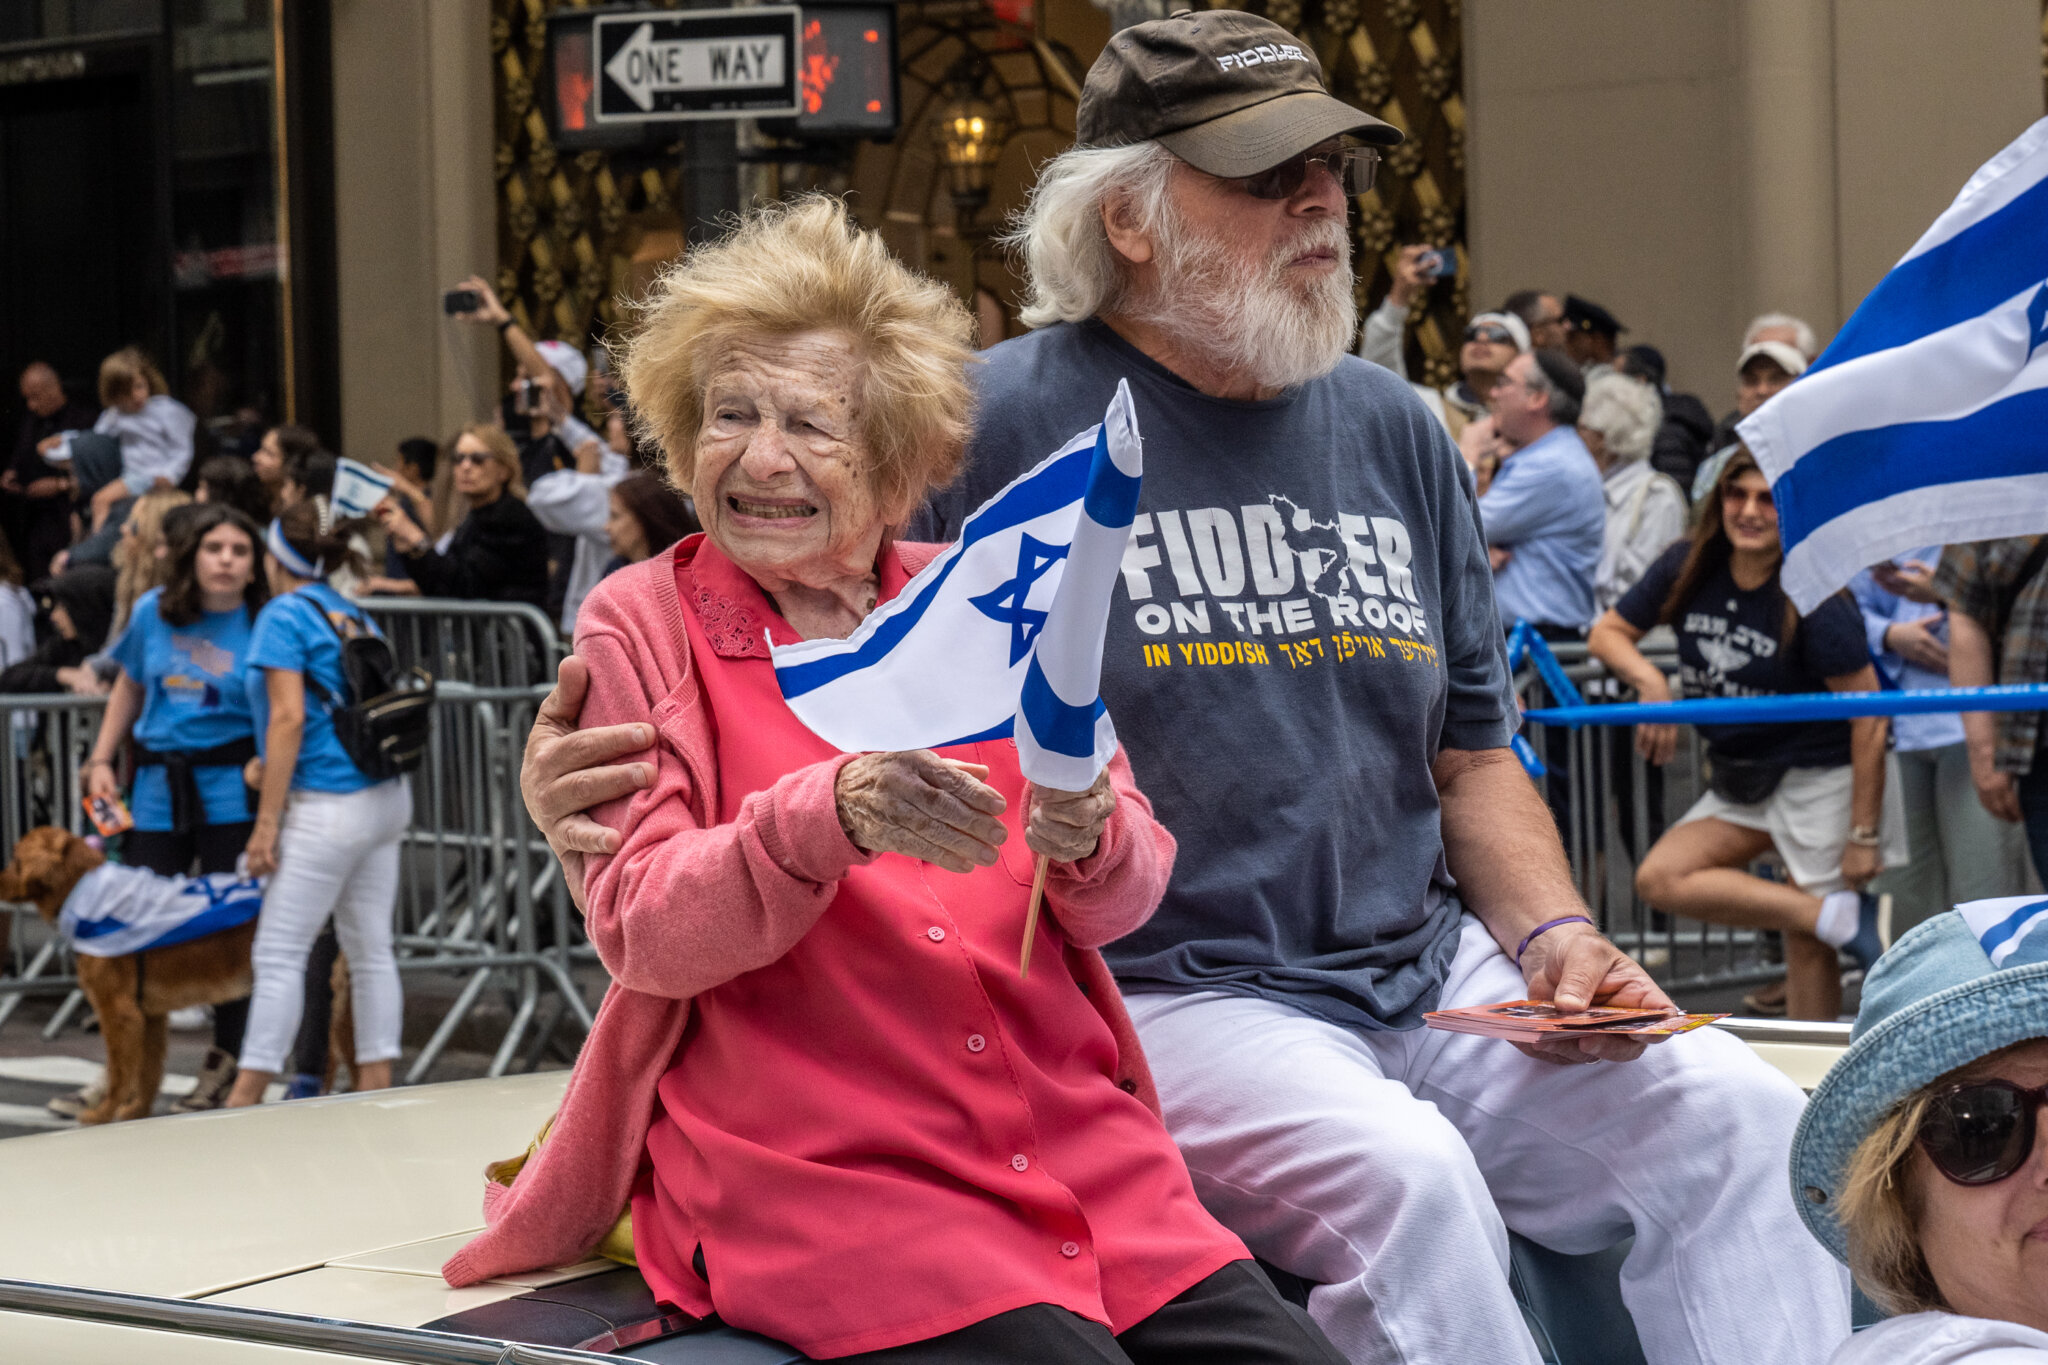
pixel 1927 419
pixel 1001 635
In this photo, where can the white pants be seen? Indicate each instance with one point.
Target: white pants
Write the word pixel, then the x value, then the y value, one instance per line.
pixel 1385 1168
pixel 336 855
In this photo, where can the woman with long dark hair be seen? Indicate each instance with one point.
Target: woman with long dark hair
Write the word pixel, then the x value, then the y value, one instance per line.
pixel 1811 792
pixel 180 697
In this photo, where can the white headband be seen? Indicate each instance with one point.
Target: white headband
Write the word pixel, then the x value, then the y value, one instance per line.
pixel 286 555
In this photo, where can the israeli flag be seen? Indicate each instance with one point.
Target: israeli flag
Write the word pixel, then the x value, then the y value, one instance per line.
pixel 2009 928
pixel 1001 635
pixel 1926 421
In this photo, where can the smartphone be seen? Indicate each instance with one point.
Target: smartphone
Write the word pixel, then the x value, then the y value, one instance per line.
pixel 458 301
pixel 526 397
pixel 1440 264
pixel 108 815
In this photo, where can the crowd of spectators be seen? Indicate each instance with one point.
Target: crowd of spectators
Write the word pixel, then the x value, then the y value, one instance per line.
pixel 1614 505
pixel 108 518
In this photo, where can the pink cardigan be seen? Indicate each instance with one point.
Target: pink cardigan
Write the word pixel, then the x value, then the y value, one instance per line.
pixel 756 885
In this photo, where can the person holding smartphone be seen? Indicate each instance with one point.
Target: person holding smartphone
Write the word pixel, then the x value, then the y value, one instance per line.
pixel 180 698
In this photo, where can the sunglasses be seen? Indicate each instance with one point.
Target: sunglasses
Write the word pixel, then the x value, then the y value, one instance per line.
pixel 1352 167
pixel 1497 336
pixel 1981 1131
pixel 471 457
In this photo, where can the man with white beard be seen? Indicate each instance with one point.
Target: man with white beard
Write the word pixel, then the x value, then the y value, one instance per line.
pixel 1307 671
pixel 1308 674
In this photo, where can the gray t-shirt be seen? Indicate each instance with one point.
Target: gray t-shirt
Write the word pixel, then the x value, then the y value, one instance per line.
pixel 1306 617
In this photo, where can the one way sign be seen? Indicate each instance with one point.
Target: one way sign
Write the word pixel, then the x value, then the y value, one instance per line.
pixel 696 64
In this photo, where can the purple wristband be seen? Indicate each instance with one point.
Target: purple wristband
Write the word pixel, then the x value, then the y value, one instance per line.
pixel 1545 927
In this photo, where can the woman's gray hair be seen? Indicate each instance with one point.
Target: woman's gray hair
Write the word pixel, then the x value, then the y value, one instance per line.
pixel 1071 271
pixel 1626 412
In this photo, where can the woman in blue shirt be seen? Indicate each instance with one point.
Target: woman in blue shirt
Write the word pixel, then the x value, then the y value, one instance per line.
pixel 328 834
pixel 181 698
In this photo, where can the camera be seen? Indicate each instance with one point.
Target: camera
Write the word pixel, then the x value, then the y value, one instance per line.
pixel 526 397
pixel 1439 264
pixel 456 302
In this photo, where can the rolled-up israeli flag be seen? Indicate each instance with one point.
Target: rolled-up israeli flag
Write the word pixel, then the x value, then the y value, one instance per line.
pixel 1001 635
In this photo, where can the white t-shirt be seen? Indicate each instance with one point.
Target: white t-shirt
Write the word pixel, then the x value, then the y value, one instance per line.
pixel 1944 1339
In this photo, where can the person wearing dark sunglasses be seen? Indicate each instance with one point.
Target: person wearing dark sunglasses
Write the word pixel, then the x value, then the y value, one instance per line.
pixel 1922 1160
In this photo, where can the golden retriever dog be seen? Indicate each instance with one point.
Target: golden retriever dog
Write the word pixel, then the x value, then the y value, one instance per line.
pixel 132 995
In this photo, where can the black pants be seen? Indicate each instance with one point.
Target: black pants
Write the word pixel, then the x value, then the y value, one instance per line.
pixel 1235 1317
pixel 214 848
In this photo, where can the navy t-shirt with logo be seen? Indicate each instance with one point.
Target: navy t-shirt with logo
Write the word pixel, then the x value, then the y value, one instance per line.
pixel 1305 618
pixel 1730 644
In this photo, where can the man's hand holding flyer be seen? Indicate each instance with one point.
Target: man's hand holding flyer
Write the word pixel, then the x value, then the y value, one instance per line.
pixel 1540 1021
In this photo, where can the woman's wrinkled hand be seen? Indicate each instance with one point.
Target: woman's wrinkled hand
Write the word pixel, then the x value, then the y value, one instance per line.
pixel 1066 826
pixel 915 803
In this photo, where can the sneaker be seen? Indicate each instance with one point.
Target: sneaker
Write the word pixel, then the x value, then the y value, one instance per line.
pixel 216 1078
pixel 302 1086
pixel 191 1019
pixel 1873 930
pixel 78 1101
pixel 1766 1001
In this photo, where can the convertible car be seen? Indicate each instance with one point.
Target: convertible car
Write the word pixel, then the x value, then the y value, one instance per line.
pixel 314 1231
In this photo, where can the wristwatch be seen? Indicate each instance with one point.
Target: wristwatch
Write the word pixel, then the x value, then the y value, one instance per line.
pixel 1864 836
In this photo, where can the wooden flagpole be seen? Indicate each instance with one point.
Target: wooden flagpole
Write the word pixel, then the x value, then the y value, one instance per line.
pixel 1031 916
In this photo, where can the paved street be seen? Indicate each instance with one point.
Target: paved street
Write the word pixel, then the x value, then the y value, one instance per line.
pixel 35 1069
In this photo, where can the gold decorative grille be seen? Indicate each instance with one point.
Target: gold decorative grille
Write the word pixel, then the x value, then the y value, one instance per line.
pixel 575 232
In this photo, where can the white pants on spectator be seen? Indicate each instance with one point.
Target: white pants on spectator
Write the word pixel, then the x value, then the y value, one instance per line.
pixel 1385 1168
pixel 337 854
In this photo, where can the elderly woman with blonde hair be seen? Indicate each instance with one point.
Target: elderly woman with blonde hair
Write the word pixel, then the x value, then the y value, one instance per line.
pixel 1645 510
pixel 1921 1160
pixel 835 1110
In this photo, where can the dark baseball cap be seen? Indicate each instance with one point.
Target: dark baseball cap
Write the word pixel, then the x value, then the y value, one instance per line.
pixel 1584 315
pixel 1227 92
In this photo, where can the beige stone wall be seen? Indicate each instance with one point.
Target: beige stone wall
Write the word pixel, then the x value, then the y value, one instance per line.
pixel 414 214
pixel 1690 163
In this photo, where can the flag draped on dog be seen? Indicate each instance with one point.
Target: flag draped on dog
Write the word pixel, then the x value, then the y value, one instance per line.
pixel 1926 420
pixel 1001 635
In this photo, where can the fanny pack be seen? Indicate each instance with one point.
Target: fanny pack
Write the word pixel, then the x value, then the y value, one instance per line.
pixel 188 810
pixel 1742 781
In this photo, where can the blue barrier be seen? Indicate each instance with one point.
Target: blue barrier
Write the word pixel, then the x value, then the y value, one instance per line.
pixel 1799 706
pixel 1786 708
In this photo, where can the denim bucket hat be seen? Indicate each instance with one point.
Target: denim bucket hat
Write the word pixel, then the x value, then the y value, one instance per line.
pixel 1955 988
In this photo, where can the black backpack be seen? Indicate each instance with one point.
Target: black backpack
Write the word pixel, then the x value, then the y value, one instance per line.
pixel 384 721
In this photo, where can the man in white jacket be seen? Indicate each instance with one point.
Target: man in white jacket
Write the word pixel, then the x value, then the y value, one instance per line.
pixel 576 502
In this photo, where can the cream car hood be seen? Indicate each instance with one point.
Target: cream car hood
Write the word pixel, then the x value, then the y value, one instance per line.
pixel 197 1204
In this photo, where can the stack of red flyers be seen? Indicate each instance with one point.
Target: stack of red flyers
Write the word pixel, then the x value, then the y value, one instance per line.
pixel 1535 1021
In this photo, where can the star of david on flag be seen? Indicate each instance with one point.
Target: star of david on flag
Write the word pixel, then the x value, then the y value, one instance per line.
pixel 1006 603
pixel 1001 635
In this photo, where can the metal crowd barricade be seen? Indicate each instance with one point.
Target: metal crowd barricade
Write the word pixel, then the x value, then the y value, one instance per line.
pixel 480 892
pixel 485 644
pixel 1612 805
pixel 481 895
pixel 47 739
